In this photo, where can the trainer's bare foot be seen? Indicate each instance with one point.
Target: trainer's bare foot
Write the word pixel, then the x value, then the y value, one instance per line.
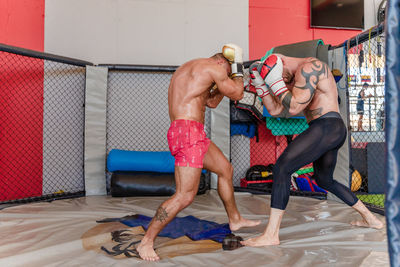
pixel 260 241
pixel 234 226
pixel 370 223
pixel 146 251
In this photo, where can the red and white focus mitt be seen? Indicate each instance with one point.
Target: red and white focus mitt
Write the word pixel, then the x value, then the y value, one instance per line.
pixel 256 80
pixel 271 71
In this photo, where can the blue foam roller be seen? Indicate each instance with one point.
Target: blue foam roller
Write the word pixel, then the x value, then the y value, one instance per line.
pixel 155 161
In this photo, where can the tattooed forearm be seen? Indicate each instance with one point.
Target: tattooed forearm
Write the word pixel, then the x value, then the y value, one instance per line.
pixel 286 100
pixel 284 114
pixel 161 214
pixel 312 78
pixel 313 112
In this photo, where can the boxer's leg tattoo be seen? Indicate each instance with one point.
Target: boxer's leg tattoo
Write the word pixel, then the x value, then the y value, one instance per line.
pixel 161 214
pixel 286 100
pixel 312 78
pixel 313 112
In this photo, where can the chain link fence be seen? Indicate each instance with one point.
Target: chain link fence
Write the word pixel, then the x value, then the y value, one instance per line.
pixel 366 100
pixel 257 144
pixel 41 126
pixel 137 111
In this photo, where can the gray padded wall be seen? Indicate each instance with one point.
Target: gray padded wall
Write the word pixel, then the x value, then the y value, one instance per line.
pixel 63 126
pixel 311 48
pixel 95 130
pixel 220 132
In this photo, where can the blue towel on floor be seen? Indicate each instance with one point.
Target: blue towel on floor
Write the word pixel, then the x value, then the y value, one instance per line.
pixel 190 226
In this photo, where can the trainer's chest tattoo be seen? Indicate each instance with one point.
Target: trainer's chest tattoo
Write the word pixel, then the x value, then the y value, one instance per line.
pixel 312 78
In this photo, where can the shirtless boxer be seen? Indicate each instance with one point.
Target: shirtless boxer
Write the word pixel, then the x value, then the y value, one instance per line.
pixel 304 85
pixel 189 93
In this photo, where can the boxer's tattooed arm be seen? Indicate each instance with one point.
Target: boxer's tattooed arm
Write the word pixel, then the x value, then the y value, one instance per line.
pixel 313 112
pixel 161 214
pixel 312 78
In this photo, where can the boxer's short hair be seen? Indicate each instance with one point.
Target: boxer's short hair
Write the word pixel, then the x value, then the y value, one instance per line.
pixel 220 56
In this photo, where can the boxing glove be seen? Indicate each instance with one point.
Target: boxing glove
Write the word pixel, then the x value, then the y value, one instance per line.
pixel 231 242
pixel 257 81
pixel 234 54
pixel 271 71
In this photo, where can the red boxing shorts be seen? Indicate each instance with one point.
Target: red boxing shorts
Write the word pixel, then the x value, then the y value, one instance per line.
pixel 188 143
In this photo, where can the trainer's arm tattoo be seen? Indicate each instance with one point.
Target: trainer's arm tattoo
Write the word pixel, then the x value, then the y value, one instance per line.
pixel 284 114
pixel 312 78
pixel 286 100
pixel 161 214
pixel 313 112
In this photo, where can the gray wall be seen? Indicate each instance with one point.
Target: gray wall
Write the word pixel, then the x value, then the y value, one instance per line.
pixel 157 32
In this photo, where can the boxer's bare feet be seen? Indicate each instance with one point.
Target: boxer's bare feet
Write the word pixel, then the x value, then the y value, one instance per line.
pixel 146 251
pixel 372 222
pixel 236 225
pixel 260 241
pixel 369 219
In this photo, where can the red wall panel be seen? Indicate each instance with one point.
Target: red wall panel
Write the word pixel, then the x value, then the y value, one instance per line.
pixel 21 127
pixel 266 150
pixel 21 100
pixel 274 23
pixel 22 23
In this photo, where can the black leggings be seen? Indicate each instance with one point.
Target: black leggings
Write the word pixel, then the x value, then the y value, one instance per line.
pixel 318 144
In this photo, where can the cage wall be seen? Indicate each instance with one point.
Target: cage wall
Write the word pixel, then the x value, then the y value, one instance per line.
pixel 137 111
pixel 366 92
pixel 41 126
pixel 43 121
pixel 363 61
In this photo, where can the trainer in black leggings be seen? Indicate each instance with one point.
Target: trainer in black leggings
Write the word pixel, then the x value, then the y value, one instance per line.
pixel 318 144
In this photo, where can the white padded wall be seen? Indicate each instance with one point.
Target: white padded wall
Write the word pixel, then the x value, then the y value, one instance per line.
pixel 370 13
pixel 153 32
